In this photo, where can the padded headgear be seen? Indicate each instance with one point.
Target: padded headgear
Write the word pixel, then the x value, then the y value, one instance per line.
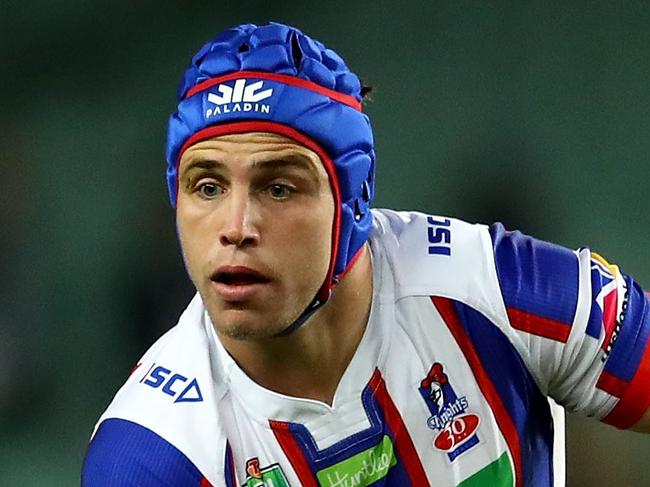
pixel 274 78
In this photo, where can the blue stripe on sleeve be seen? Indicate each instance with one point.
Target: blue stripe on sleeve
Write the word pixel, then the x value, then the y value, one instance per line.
pixel 126 454
pixel 632 338
pixel 536 277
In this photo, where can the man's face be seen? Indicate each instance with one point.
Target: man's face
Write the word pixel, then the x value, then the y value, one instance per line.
pixel 254 215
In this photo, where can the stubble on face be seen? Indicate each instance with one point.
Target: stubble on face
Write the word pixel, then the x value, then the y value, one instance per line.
pixel 243 330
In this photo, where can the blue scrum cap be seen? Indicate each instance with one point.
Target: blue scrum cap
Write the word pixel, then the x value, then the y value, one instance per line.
pixel 274 78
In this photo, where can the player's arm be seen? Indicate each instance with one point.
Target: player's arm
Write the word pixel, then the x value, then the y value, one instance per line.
pixel 582 325
pixel 643 425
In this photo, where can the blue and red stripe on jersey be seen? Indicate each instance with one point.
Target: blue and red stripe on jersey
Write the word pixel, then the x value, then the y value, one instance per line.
pixel 306 459
pixel 632 335
pixel 538 281
pixel 521 411
pixel 627 370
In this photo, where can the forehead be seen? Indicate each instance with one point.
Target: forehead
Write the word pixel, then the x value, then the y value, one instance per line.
pixel 248 147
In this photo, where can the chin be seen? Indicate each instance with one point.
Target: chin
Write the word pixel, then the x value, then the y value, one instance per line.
pixel 246 325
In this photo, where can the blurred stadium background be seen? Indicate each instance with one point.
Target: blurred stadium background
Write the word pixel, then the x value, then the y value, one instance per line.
pixel 536 114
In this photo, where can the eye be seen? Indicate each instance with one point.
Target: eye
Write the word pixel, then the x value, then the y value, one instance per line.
pixel 279 191
pixel 209 190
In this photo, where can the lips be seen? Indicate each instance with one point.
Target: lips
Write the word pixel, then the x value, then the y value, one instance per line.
pixel 238 275
pixel 238 283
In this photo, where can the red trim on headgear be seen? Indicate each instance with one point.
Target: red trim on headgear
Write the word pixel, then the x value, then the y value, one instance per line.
pixel 302 139
pixel 282 78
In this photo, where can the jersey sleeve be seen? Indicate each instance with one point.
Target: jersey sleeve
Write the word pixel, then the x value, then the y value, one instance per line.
pixel 583 325
pixel 126 454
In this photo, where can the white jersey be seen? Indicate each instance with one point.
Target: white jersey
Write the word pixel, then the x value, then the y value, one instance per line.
pixel 471 330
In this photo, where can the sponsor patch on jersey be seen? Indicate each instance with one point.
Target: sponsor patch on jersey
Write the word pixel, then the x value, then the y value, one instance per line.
pixel 364 468
pixel 456 426
pixel 271 476
pixel 177 386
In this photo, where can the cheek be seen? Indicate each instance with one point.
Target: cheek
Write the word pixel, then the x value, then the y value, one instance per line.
pixel 189 238
pixel 186 248
pixel 312 239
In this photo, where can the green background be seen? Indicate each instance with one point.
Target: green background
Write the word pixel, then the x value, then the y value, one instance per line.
pixel 532 113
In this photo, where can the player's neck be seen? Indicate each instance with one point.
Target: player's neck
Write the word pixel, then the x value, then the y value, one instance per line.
pixel 310 362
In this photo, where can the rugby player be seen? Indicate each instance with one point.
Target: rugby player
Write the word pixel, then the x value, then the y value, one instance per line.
pixel 333 344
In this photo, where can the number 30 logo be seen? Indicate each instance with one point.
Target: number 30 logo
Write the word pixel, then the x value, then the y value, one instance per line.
pixel 457 432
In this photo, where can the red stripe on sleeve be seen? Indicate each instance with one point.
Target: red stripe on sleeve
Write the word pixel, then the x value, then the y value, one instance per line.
pixel 635 400
pixel 506 425
pixel 611 384
pixel 403 442
pixel 538 325
pixel 293 453
pixel 205 483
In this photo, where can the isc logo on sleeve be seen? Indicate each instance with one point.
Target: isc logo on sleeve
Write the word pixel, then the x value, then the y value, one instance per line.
pixel 439 235
pixel 175 385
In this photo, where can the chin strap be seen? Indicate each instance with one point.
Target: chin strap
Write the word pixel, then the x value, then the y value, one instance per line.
pixel 304 316
pixel 320 299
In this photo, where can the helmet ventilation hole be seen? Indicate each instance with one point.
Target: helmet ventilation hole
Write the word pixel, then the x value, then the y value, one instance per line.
pixel 365 191
pixel 296 52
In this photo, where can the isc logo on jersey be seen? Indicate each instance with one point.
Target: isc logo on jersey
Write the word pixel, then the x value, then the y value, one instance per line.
pixel 243 96
pixel 175 385
pixel 456 427
pixel 439 236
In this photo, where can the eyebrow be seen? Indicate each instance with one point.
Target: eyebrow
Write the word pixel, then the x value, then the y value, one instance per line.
pixel 289 161
pixel 203 164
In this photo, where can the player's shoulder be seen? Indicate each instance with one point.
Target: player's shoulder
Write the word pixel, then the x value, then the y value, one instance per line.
pixel 169 403
pixel 428 249
pixel 415 231
pixel 490 268
pixel 124 453
pixel 433 254
pixel 399 221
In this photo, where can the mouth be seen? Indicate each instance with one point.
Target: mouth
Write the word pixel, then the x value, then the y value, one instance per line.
pixel 238 283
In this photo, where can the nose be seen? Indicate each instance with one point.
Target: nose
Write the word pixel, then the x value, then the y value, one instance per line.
pixel 239 225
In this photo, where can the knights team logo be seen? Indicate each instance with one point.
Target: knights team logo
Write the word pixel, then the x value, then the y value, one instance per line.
pixel 271 476
pixel 449 417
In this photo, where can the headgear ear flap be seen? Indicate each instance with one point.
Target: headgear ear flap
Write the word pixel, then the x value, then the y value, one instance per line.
pixel 273 78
